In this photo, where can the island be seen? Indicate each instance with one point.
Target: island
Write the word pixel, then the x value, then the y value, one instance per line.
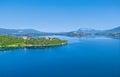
pixel 12 41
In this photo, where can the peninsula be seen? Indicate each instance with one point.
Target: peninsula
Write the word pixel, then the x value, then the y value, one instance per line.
pixel 11 41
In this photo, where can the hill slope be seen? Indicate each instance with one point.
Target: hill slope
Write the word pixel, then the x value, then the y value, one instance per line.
pixel 17 31
pixel 114 30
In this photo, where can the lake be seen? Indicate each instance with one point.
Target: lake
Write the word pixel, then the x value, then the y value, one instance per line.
pixel 82 57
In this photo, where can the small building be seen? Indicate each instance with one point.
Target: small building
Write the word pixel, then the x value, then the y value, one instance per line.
pixel 47 38
pixel 25 37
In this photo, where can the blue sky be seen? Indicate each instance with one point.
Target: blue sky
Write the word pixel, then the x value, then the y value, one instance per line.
pixel 59 15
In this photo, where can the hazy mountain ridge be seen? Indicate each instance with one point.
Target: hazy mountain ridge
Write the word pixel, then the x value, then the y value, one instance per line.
pixel 17 31
pixel 117 29
pixel 112 32
pixel 87 30
pixel 78 33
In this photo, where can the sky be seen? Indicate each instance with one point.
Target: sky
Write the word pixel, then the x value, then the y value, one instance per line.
pixel 59 15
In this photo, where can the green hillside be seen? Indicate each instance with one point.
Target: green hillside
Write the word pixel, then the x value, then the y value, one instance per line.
pixel 10 41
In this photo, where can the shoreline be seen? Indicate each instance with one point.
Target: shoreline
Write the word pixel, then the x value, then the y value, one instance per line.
pixel 30 46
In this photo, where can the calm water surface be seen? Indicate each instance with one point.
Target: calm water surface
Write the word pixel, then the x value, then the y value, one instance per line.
pixel 83 57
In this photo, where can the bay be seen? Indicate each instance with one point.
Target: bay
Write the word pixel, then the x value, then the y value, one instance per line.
pixel 81 57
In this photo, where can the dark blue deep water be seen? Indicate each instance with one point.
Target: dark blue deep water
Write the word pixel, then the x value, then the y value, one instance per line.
pixel 83 57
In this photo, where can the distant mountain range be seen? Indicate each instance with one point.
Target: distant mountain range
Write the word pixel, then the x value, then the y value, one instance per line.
pixel 114 30
pixel 111 32
pixel 17 31
pixel 86 30
pixel 78 33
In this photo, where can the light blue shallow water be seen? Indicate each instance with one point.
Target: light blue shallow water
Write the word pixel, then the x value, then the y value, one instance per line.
pixel 86 57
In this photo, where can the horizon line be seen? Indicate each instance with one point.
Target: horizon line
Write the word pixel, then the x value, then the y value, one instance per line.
pixel 55 31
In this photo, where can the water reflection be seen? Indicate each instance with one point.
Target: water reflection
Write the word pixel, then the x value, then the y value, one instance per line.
pixel 26 48
pixel 8 48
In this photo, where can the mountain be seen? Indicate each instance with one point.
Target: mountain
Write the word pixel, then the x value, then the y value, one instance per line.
pixel 115 30
pixel 32 32
pixel 86 30
pixel 73 34
pixel 78 33
pixel 17 31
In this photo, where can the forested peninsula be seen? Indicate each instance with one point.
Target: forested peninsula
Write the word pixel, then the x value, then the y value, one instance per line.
pixel 11 41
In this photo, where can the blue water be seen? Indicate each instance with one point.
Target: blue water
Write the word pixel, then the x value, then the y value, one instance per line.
pixel 82 57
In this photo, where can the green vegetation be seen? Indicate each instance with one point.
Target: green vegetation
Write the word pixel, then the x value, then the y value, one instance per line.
pixel 11 41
